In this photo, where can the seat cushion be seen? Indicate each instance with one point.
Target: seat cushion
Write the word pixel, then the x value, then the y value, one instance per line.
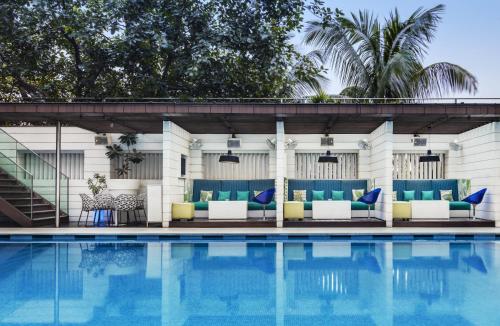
pixel 359 206
pixel 253 206
pixel 293 210
pixel 459 206
pixel 401 210
pixel 201 205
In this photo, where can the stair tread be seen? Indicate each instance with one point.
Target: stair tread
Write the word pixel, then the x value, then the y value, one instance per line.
pixel 43 211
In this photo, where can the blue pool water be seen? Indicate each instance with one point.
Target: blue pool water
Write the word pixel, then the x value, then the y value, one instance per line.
pixel 250 283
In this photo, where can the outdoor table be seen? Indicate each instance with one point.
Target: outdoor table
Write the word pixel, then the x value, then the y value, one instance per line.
pixel 227 210
pixel 430 209
pixel 331 209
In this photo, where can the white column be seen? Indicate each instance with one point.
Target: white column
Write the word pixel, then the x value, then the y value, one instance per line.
pixel 167 169
pixel 381 140
pixel 58 173
pixel 478 160
pixel 280 171
pixel 175 144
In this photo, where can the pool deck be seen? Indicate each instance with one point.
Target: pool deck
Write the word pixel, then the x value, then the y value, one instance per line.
pixel 247 231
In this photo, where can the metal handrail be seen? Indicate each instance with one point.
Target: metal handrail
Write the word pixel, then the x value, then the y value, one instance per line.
pixel 16 177
pixel 30 151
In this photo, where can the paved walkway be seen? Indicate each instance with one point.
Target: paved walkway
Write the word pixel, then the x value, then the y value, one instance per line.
pixel 244 231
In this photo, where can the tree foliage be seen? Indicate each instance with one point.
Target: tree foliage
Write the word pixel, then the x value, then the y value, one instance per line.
pixel 152 48
pixel 385 59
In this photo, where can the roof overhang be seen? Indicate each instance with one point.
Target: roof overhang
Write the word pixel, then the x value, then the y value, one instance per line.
pixel 257 118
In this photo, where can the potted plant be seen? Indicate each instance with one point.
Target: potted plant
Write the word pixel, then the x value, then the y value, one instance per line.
pixel 97 184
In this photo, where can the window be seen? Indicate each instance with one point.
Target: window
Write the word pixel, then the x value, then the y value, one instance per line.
pixel 183 165
pixel 151 168
pixel 307 166
pixel 251 166
pixel 71 164
pixel 407 166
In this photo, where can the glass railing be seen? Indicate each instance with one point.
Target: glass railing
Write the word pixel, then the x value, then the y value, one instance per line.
pixel 41 172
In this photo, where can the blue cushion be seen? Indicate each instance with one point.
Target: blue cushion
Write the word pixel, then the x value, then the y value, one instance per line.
pixel 459 206
pixel 224 195
pixel 327 186
pixel 337 195
pixel 427 195
pixel 233 186
pixel 446 184
pixel 201 184
pixel 408 195
pixel 359 206
pixel 242 195
pixel 318 195
pixel 201 205
pixel 418 186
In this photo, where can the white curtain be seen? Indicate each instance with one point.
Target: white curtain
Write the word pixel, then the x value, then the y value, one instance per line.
pixel 307 166
pixel 407 166
pixel 150 168
pixel 251 166
pixel 71 164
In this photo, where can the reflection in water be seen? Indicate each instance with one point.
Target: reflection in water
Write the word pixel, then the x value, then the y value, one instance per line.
pixel 247 283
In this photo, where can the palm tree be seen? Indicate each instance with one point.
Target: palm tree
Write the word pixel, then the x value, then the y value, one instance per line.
pixel 386 60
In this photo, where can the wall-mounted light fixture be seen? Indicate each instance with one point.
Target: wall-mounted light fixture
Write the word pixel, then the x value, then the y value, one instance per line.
pixel 429 157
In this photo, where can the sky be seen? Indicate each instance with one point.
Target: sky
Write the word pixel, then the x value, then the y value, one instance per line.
pixel 469 35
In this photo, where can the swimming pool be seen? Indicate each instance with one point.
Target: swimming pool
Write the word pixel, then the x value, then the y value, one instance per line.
pixel 250 283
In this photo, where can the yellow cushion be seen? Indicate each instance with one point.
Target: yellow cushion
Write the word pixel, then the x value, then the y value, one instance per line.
pixel 401 210
pixel 182 211
pixel 294 210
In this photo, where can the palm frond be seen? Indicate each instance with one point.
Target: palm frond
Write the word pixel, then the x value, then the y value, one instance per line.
pixel 443 78
pixel 334 40
pixel 415 33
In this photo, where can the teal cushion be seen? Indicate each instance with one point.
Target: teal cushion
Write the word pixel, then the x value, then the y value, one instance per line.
pixel 427 195
pixel 408 195
pixel 308 205
pixel 224 195
pixel 337 195
pixel 253 206
pixel 318 195
pixel 359 206
pixel 242 195
pixel 201 205
pixel 459 206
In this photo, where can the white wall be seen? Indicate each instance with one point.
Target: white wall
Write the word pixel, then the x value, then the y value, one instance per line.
pixel 479 161
pixel 380 170
pixel 281 165
pixel 343 143
pixel 217 143
pixel 175 144
pixel 95 160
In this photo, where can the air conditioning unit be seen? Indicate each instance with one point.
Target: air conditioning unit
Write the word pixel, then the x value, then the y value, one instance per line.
pixel 419 141
pixel 326 141
pixel 102 139
pixel 234 143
